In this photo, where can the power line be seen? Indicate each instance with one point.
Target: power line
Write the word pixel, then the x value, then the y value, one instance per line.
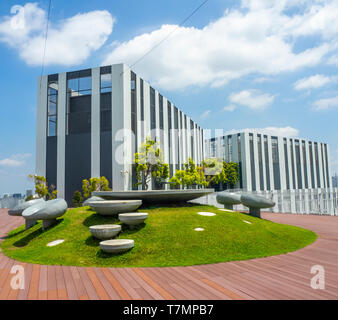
pixel 170 33
pixel 46 37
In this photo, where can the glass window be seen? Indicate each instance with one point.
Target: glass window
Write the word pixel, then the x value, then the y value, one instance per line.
pixel 106 83
pixel 52 108
pixel 85 84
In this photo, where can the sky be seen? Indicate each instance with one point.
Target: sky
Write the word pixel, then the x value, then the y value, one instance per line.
pixel 234 65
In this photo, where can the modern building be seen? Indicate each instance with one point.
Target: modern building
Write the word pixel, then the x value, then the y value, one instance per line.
pixel 91 122
pixel 274 163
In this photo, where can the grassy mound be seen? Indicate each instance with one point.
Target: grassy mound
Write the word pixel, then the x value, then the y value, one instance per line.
pixel 167 238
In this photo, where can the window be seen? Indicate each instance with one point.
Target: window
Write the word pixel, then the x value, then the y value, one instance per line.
pixel 305 165
pixel 286 164
pixel 311 165
pixel 79 88
pixel 152 109
pixel 106 83
pixel 79 83
pixel 298 164
pixel 275 162
pixel 52 108
pixel 252 163
pixel 260 161
pixel 267 165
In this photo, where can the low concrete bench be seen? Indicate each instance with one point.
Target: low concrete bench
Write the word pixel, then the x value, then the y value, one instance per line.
pixel 46 211
pixel 255 203
pixel 228 199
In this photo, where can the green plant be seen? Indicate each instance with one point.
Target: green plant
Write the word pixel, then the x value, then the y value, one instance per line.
pixel 30 197
pixel 218 171
pixel 149 164
pixel 94 184
pixel 41 187
pixel 77 199
pixel 191 175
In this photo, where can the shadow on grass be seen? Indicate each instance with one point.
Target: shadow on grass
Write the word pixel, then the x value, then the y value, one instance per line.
pixel 104 255
pixel 96 219
pixel 168 205
pixel 25 240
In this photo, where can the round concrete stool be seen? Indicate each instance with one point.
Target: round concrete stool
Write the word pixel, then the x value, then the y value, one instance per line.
pixel 116 246
pixel 133 219
pixel 105 231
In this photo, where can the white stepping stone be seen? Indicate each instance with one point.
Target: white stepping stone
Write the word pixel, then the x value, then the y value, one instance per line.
pixel 133 219
pixel 246 221
pixel 116 246
pixel 105 231
pixel 55 243
pixel 199 229
pixel 207 214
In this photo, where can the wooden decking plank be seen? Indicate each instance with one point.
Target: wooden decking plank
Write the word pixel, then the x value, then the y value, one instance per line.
pixel 164 293
pixel 80 288
pixel 60 284
pixel 126 282
pixel 33 293
pixel 23 294
pixel 106 284
pixel 43 284
pixel 52 293
pixel 70 286
pixel 91 292
pixel 101 292
pixel 123 294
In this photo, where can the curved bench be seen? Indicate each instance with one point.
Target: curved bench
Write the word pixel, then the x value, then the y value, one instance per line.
pixel 46 211
pixel 228 199
pixel 255 203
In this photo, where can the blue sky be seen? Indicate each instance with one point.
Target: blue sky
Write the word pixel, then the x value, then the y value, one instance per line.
pixel 262 64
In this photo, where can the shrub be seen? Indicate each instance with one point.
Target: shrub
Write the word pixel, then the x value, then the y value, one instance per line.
pixel 77 199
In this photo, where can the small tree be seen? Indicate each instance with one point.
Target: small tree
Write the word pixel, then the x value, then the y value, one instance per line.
pixel 94 184
pixel 218 171
pixel 41 187
pixel 149 164
pixel 191 175
pixel 77 199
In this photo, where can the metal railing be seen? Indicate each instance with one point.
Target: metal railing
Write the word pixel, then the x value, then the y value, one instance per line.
pixel 302 201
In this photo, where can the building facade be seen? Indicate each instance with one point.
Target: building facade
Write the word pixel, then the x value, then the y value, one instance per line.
pixel 91 122
pixel 274 163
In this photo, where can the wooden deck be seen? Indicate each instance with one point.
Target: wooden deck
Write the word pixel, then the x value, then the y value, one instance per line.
pixel 285 276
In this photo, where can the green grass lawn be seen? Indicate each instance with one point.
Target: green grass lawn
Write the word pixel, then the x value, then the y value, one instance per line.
pixel 167 238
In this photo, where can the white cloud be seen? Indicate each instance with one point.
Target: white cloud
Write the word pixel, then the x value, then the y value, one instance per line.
pixel 312 82
pixel 252 99
pixel 70 41
pixel 205 115
pixel 274 131
pixel 229 108
pixel 259 39
pixel 333 60
pixel 324 104
pixel 16 160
